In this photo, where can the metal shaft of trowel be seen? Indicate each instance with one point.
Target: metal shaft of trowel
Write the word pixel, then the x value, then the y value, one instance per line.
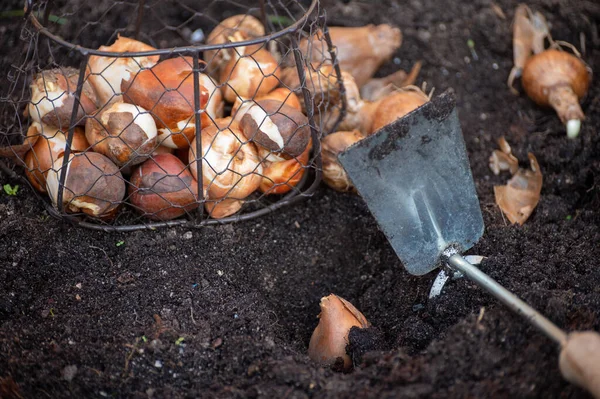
pixel 457 262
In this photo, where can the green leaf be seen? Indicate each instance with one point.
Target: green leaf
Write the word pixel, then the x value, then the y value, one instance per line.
pixel 11 190
pixel 179 341
pixel 144 338
pixel 119 243
pixel 280 20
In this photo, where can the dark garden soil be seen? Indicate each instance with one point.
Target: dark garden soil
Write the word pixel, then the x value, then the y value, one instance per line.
pixel 228 311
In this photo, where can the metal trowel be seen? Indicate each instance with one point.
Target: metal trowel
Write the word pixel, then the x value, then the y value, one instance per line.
pixel 414 176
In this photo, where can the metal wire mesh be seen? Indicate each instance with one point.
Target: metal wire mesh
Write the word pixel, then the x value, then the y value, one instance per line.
pixel 199 112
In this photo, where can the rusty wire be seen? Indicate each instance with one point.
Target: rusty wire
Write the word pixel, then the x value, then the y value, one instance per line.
pixel 98 139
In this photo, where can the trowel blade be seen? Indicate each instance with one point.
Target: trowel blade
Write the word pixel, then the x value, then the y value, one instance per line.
pixel 415 177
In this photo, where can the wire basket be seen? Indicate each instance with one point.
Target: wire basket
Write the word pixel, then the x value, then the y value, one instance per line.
pixel 199 112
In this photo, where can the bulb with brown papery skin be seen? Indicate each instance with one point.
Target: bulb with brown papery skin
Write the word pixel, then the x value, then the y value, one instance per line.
pixel 321 81
pixel 167 92
pixel 360 51
pixel 230 165
pixel 241 27
pixel 281 94
pixel 281 176
pixel 280 129
pixel 559 80
pixel 329 340
pixel 332 145
pixel 106 73
pixel 125 133
pixel 53 98
pixel 252 72
pixel 48 148
pixel 162 188
pixel 222 208
pixel 93 185
pixel 397 105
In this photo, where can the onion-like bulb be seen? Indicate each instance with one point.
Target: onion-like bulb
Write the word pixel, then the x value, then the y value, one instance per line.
pixel 332 145
pixel 106 73
pixel 560 80
pixel 230 164
pixel 93 185
pixel 397 105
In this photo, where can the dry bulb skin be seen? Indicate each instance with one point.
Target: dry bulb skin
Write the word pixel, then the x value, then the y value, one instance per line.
pixel 560 80
pixel 162 188
pixel 503 159
pixel 321 81
pixel 280 129
pixel 53 98
pixel 125 133
pixel 106 73
pixel 17 152
pixel 378 88
pixel 230 164
pixel 332 145
pixel 397 105
pixel 329 340
pixel 239 27
pixel 48 148
pixel 519 197
pixel 530 30
pixel 167 92
pixel 360 51
pixel 251 72
pixel 93 185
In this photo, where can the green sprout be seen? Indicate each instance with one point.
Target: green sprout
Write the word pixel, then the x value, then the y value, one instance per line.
pixel 11 190
pixel 179 341
pixel 280 20
pixel 144 338
pixel 119 243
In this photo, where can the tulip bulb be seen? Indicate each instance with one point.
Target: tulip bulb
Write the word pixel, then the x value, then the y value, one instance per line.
pixel 397 105
pixel 106 73
pixel 276 127
pixel 53 98
pixel 329 340
pixel 360 51
pixel 93 185
pixel 282 176
pixel 245 26
pixel 48 148
pixel 252 72
pixel 123 132
pixel 223 208
pixel 332 145
pixel 280 94
pixel 230 165
pixel 167 91
pixel 560 80
pixel 162 188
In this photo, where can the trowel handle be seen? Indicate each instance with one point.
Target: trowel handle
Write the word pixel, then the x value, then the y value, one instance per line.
pixel 457 262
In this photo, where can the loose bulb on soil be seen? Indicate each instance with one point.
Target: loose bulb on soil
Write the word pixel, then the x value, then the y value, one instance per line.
pixel 397 105
pixel 329 340
pixel 360 50
pixel 93 185
pixel 560 80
